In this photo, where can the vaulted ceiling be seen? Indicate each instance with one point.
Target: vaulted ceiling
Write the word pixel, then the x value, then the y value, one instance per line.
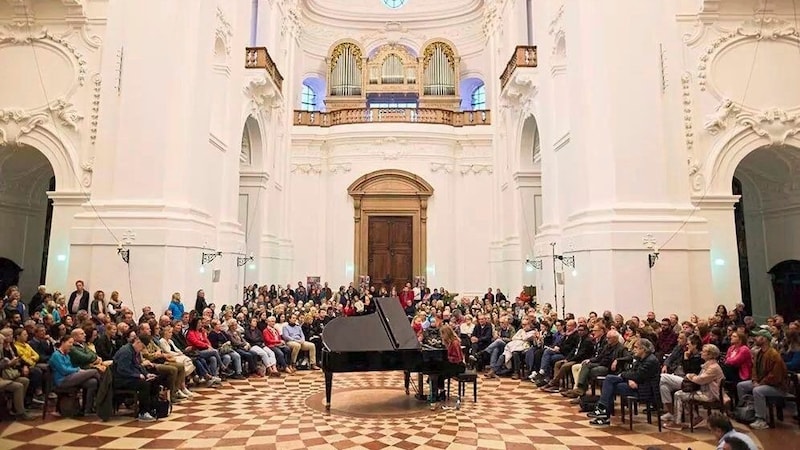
pixel 371 23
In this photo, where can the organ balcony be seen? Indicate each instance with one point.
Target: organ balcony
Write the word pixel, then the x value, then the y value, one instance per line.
pixel 392 115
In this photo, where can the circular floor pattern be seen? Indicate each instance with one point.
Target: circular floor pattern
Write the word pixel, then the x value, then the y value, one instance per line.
pixel 374 402
pixel 274 414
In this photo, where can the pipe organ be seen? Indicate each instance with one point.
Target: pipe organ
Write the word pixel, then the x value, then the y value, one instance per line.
pixel 393 70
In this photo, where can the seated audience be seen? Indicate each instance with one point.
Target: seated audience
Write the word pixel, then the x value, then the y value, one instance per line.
pixel 130 373
pixel 708 380
pixel 769 378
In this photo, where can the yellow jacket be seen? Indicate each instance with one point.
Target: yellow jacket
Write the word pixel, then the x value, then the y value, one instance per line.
pixel 27 353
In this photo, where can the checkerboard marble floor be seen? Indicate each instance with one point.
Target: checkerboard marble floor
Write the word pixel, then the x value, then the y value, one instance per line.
pixel 282 414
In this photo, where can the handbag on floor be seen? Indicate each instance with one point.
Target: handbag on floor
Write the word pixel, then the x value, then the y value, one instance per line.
pixel 589 402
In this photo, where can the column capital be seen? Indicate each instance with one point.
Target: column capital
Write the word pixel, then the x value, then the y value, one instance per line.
pixel 68 198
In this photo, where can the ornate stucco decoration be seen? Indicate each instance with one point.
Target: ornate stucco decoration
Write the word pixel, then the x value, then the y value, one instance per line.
pixel 95 116
pixel 476 169
pixel 393 33
pixel 261 92
pixel 15 35
pixel 128 237
pixel 695 174
pixel 224 30
pixel 18 122
pixel 306 168
pixel 556 31
pixel 758 28
pixel 339 168
pixel 88 170
pixel 717 121
pixel 441 167
pixel 775 124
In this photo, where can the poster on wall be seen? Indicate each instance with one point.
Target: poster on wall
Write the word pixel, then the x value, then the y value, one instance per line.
pixel 312 282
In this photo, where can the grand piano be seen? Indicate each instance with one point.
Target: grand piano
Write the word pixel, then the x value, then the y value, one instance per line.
pixel 383 341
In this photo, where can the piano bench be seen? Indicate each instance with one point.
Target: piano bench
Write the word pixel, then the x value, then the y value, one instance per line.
pixel 463 378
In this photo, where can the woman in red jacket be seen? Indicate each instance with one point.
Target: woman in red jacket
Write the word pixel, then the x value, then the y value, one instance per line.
pixel 454 364
pixel 738 360
pixel 197 340
pixel 273 340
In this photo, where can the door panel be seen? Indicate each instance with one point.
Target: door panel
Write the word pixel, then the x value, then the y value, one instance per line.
pixel 390 250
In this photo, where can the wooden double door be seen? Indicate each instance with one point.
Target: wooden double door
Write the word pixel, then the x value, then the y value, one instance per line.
pixel 390 251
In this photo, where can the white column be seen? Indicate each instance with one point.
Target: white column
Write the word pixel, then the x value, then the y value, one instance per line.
pixel 620 173
pixel 718 210
pixel 65 206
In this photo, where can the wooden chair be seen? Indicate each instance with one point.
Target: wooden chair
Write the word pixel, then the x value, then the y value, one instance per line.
pixel 778 402
pixel 694 404
pixel 470 376
pixel 652 403
pixel 597 382
pixel 61 395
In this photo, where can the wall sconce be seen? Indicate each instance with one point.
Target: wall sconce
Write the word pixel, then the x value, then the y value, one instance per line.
pixel 242 260
pixel 652 258
pixel 568 261
pixel 208 257
pixel 531 264
pixel 125 253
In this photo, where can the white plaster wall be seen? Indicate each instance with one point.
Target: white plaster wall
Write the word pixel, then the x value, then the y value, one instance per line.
pixel 326 162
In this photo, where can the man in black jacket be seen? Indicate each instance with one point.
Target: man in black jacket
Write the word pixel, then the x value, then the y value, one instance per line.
pixel 130 374
pixel 481 338
pixel 640 380
pixel 607 348
pixel 557 353
pixel 582 351
pixel 78 299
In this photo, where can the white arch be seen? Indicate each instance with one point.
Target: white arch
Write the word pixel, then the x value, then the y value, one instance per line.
pixel 253 130
pixel 61 155
pixel 529 142
pixel 726 155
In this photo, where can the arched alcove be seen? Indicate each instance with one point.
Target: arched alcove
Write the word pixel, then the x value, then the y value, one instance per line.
pixel 386 203
pixel 529 143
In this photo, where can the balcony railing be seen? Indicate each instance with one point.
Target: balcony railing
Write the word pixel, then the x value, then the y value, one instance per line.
pixel 392 115
pixel 258 58
pixel 524 56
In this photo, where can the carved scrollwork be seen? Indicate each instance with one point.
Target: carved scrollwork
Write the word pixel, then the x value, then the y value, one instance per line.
pixel 441 167
pixel 476 169
pixel 775 124
pixel 306 168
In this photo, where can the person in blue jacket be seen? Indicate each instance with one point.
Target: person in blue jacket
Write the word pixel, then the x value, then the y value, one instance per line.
pixel 176 307
pixel 66 375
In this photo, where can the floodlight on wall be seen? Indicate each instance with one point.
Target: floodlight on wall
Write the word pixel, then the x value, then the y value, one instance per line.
pixel 125 253
pixel 568 261
pixel 208 257
pixel 531 264
pixel 242 260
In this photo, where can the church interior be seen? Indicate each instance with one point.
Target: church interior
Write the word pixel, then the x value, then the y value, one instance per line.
pixel 594 202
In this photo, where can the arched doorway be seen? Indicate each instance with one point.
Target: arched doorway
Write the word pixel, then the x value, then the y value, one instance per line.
pixel 767 221
pixel 25 178
pixel 390 215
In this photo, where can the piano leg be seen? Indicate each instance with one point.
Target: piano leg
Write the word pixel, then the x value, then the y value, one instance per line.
pixel 407 380
pixel 421 387
pixel 328 387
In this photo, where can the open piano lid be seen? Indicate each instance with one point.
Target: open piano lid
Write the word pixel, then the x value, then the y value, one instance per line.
pixel 387 329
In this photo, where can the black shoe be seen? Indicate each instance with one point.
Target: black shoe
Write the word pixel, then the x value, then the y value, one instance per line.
pixel 600 421
pixel 542 382
pixel 597 413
